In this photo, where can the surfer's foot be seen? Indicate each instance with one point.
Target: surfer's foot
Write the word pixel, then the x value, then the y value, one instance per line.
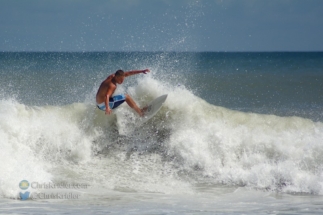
pixel 143 110
pixel 139 111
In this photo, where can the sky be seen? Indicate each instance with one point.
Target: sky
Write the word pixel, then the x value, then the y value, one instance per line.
pixel 161 25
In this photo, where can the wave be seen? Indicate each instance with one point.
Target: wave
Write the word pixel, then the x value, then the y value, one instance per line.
pixel 189 141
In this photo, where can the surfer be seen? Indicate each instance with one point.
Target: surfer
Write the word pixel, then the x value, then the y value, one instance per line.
pixel 104 99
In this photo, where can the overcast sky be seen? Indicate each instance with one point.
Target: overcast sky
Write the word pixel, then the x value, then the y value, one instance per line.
pixel 161 25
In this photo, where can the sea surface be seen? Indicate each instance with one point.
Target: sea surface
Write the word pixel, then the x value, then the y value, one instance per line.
pixel 240 133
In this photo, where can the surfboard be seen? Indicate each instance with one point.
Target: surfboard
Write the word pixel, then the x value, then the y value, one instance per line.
pixel 153 107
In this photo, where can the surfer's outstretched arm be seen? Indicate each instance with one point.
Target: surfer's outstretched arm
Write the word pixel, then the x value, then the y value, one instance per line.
pixel 134 72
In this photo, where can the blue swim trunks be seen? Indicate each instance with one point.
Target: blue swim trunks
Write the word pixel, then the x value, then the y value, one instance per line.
pixel 114 102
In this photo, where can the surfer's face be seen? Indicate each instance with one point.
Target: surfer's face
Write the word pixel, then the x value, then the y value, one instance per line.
pixel 119 79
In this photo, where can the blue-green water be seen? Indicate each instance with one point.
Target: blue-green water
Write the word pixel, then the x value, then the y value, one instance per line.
pixel 237 129
pixel 274 83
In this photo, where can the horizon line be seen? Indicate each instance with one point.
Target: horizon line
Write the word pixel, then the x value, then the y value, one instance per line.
pixel 161 51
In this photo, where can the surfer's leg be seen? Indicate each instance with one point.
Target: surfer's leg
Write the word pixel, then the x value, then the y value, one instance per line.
pixel 133 105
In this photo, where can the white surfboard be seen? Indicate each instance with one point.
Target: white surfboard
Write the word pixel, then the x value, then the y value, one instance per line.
pixel 153 107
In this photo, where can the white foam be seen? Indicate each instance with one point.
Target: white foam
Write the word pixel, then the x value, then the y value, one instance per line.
pixel 236 148
pixel 35 139
pixel 261 151
pixel 187 135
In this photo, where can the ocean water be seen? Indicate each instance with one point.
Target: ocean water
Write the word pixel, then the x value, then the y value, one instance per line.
pixel 240 133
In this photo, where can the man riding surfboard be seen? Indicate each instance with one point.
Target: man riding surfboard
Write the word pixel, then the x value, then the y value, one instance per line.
pixel 104 97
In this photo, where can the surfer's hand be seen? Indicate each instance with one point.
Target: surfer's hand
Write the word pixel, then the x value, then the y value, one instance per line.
pixel 145 71
pixel 108 111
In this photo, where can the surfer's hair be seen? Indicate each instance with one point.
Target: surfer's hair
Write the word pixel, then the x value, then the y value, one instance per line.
pixel 119 73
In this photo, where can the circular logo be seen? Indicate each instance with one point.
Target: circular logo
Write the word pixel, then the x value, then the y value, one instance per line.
pixel 24 185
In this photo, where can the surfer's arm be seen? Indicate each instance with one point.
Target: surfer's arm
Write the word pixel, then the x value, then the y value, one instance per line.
pixel 134 72
pixel 108 95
